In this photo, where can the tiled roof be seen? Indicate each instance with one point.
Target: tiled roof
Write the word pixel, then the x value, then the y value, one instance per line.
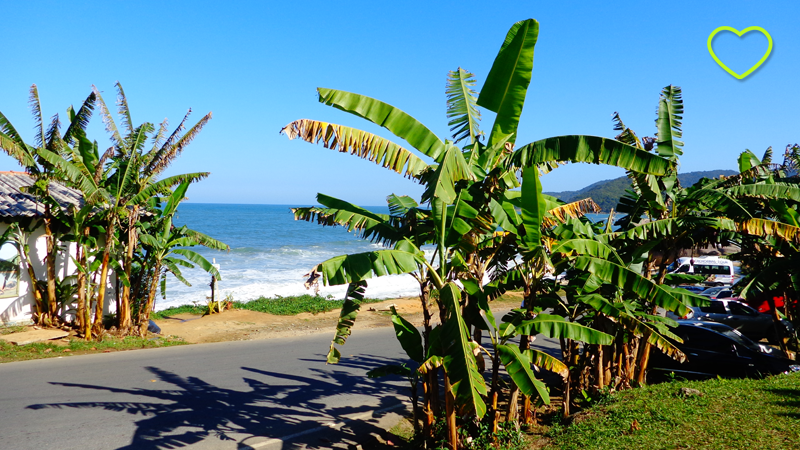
pixel 16 203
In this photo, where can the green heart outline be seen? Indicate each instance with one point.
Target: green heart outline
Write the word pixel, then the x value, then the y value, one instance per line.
pixel 740 33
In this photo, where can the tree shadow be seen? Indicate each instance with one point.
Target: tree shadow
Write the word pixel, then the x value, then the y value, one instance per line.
pixel 790 405
pixel 275 406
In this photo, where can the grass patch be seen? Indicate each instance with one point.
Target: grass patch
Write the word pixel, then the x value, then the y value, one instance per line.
pixel 183 309
pixel 731 414
pixel 8 329
pixel 10 352
pixel 279 306
pixel 290 306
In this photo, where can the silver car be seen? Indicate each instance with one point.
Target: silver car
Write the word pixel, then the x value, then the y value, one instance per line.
pixel 742 317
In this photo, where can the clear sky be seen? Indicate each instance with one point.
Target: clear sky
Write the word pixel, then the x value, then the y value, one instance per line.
pixel 256 65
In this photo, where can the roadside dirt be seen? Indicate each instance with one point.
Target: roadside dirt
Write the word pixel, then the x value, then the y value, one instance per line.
pixel 239 325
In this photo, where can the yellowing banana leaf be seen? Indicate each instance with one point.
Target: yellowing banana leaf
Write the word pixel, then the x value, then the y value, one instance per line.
pixel 383 114
pixel 518 367
pixel 545 361
pixel 359 143
pixel 574 209
pixel 770 228
pixel 432 363
pixel 590 149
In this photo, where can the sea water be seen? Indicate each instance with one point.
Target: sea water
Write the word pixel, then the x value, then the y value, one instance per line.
pixel 270 253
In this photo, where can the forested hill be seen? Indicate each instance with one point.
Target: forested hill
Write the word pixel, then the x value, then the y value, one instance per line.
pixel 606 193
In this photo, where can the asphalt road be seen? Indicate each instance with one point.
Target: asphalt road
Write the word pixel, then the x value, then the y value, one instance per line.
pixel 269 394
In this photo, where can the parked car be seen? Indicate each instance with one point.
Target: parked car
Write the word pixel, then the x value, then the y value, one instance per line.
pixel 740 316
pixel 715 349
pixel 717 292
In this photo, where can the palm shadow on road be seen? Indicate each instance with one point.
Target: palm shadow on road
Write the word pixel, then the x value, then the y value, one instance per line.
pixel 275 406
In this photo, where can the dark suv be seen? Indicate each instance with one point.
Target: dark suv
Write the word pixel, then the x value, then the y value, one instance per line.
pixel 744 318
pixel 713 349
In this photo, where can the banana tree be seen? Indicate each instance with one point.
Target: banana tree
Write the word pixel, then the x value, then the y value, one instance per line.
pixel 29 157
pixel 462 187
pixel 135 180
pixel 166 253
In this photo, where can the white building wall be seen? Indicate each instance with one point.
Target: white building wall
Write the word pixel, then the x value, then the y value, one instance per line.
pixel 19 309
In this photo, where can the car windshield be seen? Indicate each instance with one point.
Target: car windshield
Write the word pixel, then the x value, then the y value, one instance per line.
pixel 739 338
pixel 711 291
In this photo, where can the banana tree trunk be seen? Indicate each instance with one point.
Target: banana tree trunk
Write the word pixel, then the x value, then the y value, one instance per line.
pixel 144 313
pixel 40 308
pixel 450 414
pixel 81 287
pixel 429 380
pixel 101 289
pixel 50 262
pixel 644 349
pixel 124 312
pixel 524 344
pixel 495 390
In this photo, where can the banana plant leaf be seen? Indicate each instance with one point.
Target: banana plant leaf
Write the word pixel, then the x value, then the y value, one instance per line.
pixel 683 278
pixel 518 367
pixel 361 266
pixel 462 108
pixel 408 336
pixel 554 326
pixel 635 326
pixel 533 207
pixel 670 115
pixel 383 114
pixel 347 318
pixel 590 149
pixel 586 247
pixel 452 168
pixel 633 282
pixel 507 83
pixel 466 381
pixel 765 191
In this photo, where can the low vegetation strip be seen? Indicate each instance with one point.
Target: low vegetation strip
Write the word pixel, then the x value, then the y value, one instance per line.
pixel 52 349
pixel 724 414
pixel 279 306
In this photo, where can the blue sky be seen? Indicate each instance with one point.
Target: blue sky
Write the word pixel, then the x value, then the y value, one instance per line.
pixel 256 65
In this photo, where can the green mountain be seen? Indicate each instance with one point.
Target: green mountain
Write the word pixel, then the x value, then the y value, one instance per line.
pixel 606 193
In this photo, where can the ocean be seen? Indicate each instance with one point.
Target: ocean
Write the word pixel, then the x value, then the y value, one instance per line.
pixel 270 253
